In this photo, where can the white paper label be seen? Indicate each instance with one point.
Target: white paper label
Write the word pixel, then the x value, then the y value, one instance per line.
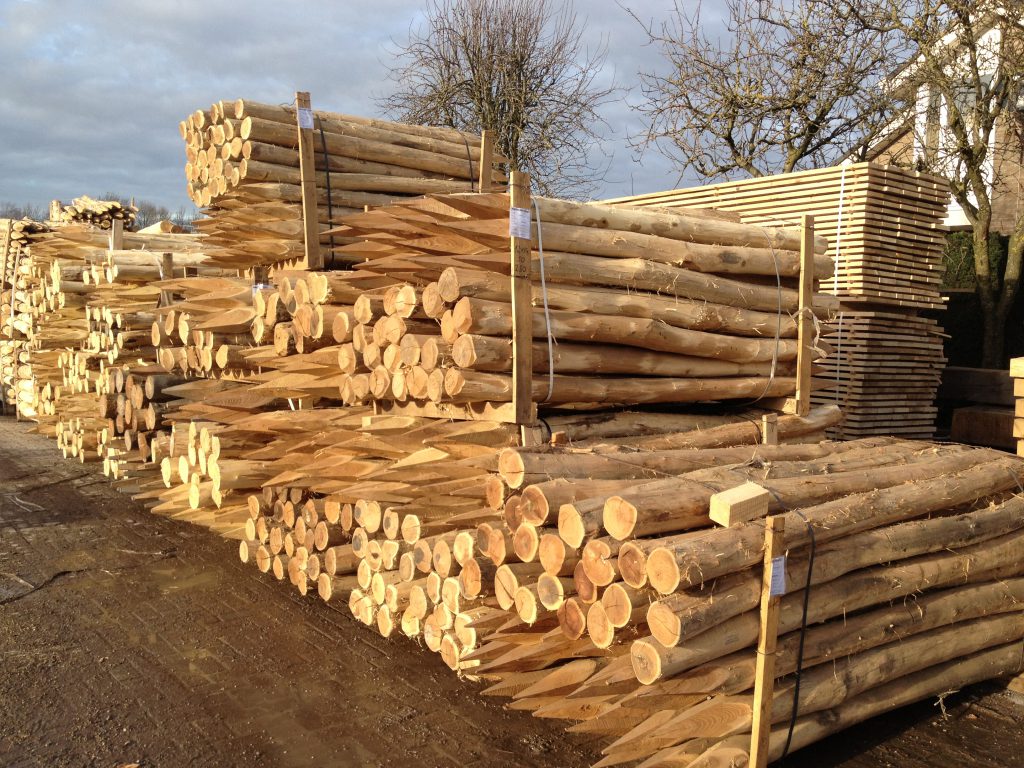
pixel 778 585
pixel 519 222
pixel 305 117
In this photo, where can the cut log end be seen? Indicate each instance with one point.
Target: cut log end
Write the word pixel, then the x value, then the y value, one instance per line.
pixel 619 518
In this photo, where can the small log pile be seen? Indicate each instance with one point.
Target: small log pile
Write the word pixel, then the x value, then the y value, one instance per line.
pixel 98 213
pixel 884 227
pixel 243 168
pixel 628 306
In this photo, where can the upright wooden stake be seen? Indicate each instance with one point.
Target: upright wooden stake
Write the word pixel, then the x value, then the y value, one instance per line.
pixel 486 161
pixel 764 676
pixel 522 310
pixel 770 429
pixel 805 327
pixel 117 235
pixel 167 273
pixel 314 258
pixel 5 252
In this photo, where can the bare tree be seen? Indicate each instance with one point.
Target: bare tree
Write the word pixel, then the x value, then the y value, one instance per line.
pixel 965 87
pixel 518 68
pixel 786 86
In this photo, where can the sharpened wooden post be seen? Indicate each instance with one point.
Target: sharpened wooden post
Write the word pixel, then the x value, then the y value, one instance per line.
pixel 805 326
pixel 486 161
pixel 764 675
pixel 314 258
pixel 522 309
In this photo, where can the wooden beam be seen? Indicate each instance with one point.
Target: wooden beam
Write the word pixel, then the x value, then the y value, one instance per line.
pixel 805 327
pixel 740 504
pixel 764 676
pixel 314 258
pixel 522 296
pixel 486 161
pixel 770 429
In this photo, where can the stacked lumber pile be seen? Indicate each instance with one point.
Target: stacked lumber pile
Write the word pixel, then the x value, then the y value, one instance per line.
pixel 884 229
pixel 628 306
pixel 243 168
pixel 1017 374
pixel 99 213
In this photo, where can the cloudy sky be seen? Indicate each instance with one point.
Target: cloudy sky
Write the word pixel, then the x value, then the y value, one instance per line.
pixel 93 91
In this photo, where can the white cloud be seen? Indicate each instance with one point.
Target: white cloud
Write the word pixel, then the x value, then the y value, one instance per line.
pixel 95 91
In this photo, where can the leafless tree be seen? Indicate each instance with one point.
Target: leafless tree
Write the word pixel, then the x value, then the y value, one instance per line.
pixel 518 68
pixel 966 90
pixel 786 85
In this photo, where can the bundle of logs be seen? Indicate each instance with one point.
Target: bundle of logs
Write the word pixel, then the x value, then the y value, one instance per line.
pixel 243 168
pixel 628 306
pixel 99 213
pixel 617 584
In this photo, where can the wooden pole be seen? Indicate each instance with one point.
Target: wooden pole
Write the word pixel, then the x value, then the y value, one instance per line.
pixel 307 174
pixel 770 429
pixel 772 588
pixel 805 328
pixel 486 161
pixel 522 309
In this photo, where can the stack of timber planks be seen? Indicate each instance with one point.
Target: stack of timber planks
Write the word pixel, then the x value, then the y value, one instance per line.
pixel 1017 374
pixel 243 169
pixel 885 232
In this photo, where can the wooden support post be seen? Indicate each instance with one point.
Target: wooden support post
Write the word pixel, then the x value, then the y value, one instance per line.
pixel 522 296
pixel 7 228
pixel 805 326
pixel 167 273
pixel 770 429
pixel 486 161
pixel 117 235
pixel 314 258
pixel 764 676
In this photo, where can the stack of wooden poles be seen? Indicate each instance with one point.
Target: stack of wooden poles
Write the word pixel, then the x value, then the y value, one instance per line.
pixel 628 306
pixel 593 585
pixel 243 168
pixel 99 213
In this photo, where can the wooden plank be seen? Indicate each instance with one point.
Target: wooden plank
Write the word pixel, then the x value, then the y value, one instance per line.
pixel 307 173
pixel 805 327
pixel 522 299
pixel 764 676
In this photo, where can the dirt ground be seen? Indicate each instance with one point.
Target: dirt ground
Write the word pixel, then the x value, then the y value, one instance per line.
pixel 128 638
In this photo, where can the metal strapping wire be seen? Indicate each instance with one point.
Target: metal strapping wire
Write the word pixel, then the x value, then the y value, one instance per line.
pixel 469 160
pixel 327 174
pixel 547 310
pixel 803 623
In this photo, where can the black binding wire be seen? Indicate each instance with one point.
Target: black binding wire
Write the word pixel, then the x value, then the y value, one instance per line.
pixel 327 173
pixel 469 159
pixel 803 636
